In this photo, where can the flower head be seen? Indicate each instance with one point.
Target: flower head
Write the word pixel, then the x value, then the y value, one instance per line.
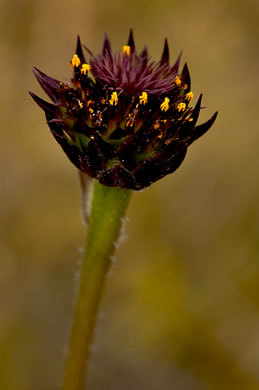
pixel 123 119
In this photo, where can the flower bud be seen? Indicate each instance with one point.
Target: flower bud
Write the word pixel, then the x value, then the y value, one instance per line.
pixel 123 119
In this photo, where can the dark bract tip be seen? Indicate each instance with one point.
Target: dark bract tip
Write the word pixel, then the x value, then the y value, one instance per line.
pixel 175 67
pixel 196 110
pixel 131 42
pixel 186 78
pixel 79 50
pixel 47 107
pixel 50 85
pixel 204 127
pixel 165 54
pixel 106 46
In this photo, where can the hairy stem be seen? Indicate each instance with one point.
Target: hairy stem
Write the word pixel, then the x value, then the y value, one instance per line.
pixel 107 210
pixel 85 182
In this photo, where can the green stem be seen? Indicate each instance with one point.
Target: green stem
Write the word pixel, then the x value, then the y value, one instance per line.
pixel 107 210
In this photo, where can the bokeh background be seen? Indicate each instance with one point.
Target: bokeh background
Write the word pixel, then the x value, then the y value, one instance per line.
pixel 181 309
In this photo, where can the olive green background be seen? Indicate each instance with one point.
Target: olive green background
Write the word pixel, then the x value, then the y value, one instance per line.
pixel 181 309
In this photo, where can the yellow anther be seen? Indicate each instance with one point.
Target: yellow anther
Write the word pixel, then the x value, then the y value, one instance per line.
pixel 177 81
pixel 156 125
pixel 181 107
pixel 81 105
pixel 160 135
pixel 143 98
pixel 191 119
pixel 75 61
pixel 126 50
pixel 189 96
pixel 129 123
pixel 114 99
pixel 85 68
pixel 89 102
pixel 165 105
pixel 130 120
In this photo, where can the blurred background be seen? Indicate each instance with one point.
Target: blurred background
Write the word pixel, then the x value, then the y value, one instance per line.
pixel 181 309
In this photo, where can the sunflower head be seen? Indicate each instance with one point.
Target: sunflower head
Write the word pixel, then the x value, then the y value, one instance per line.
pixel 123 119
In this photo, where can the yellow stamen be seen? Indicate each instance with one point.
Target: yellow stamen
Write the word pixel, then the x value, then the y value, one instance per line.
pixel 143 98
pixel 81 105
pixel 85 68
pixel 114 99
pixel 189 96
pixel 191 119
pixel 75 61
pixel 126 50
pixel 165 105
pixel 177 81
pixel 181 107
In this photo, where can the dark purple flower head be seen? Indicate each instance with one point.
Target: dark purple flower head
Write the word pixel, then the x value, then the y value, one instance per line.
pixel 123 119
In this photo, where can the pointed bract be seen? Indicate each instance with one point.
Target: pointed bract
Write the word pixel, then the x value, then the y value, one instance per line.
pixel 143 56
pixel 186 78
pixel 79 50
pixel 165 54
pixel 131 42
pixel 175 67
pixel 50 85
pixel 196 111
pixel 47 107
pixel 88 50
pixel 204 127
pixel 106 46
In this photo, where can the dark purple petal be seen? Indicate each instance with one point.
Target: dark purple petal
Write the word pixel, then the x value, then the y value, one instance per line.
pixel 175 67
pixel 106 46
pixel 47 107
pixel 143 56
pixel 50 85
